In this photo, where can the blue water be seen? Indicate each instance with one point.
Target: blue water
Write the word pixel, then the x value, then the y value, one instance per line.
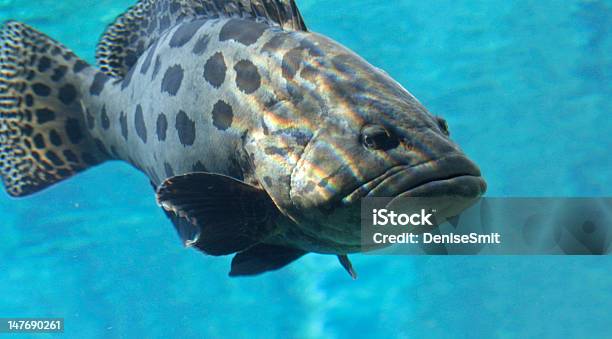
pixel 525 87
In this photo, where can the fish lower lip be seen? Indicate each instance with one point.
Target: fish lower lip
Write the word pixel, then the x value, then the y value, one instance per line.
pixel 456 174
pixel 448 197
pixel 460 185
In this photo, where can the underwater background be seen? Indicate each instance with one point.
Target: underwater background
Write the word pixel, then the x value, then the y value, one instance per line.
pixel 526 88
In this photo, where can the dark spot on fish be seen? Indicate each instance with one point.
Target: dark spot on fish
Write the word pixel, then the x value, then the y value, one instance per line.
pixel 32 59
pixel 59 73
pixel 309 73
pixel 70 156
pixel 128 78
pixel 199 167
pixel 223 115
pixel 291 63
pixel 27 143
pixel 248 79
pixel 300 138
pixel 273 150
pixel 343 63
pixel 97 86
pixel 27 131
pixel 131 57
pixel 156 67
pixel 323 183
pixel 44 115
pixel 154 177
pixel 243 31
pixel 310 47
pixel 35 155
pixel 55 138
pixel 31 75
pixel 57 161
pixel 200 46
pixel 147 62
pixel 114 152
pixel 91 120
pixel 79 65
pixel 41 89
pixel 168 169
pixel 140 48
pixel 274 44
pixel 101 147
pixel 185 128
pixel 124 125
pixel 172 80
pixel 215 69
pixel 29 100
pixel 45 164
pixel 184 33
pixel 268 181
pixel 174 7
pixel 139 123
pixel 104 118
pixel 44 64
pixel 73 130
pixel 67 94
pixel 272 101
pixel 295 92
pixel 162 127
pixel 164 23
pixel 39 141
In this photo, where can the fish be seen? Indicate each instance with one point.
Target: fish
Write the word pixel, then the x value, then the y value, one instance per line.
pixel 259 136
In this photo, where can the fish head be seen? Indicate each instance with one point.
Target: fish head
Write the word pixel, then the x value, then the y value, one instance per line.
pixel 363 135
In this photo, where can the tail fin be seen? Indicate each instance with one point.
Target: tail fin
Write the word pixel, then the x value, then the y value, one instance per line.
pixel 43 138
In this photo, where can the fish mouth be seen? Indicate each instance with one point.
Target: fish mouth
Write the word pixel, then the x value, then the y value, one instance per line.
pixel 451 176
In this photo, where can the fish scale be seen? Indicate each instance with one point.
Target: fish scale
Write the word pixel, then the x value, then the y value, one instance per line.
pixel 259 137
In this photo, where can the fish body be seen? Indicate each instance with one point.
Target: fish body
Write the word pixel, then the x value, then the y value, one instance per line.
pixel 260 137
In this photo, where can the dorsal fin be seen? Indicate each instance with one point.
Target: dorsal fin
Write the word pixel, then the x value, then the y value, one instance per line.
pixel 134 31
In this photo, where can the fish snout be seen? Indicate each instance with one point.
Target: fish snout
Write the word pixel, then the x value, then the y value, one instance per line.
pixel 448 185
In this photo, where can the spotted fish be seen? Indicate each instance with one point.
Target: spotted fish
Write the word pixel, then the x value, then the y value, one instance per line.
pixel 259 136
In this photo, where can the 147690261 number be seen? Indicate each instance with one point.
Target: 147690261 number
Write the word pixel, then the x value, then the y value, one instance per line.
pixel 32 325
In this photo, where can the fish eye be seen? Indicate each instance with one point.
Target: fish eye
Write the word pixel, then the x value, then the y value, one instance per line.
pixel 376 137
pixel 443 126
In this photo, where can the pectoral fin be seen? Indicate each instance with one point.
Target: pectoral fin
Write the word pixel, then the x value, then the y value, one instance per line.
pixel 215 213
pixel 263 258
